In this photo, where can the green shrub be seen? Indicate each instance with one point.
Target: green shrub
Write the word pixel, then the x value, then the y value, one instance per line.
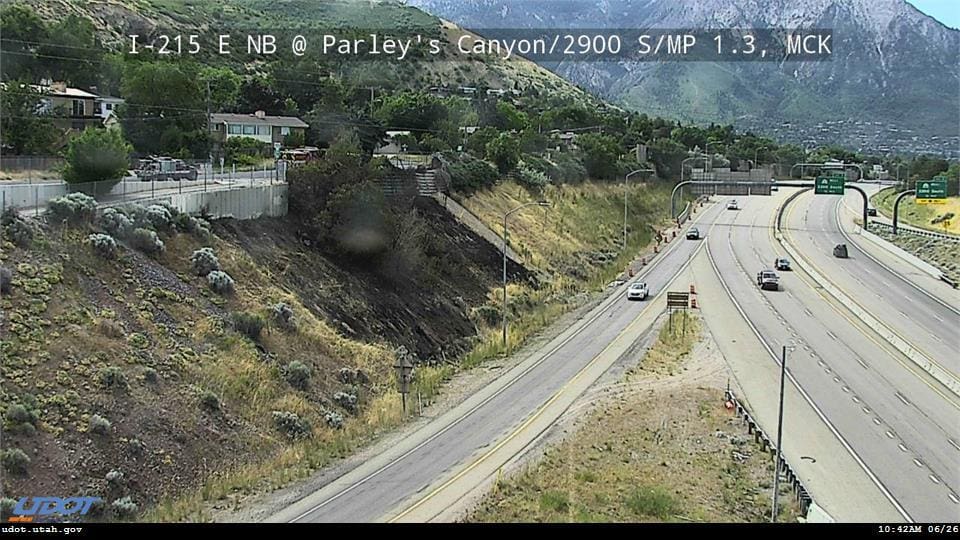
pixel 6 507
pixel 103 245
pixel 554 501
pixel 147 241
pixel 113 377
pixel 18 414
pixel 99 425
pixel 6 280
pixel 290 424
pixel 209 401
pixel 204 261
pixel 471 174
pixel 15 460
pixel 220 282
pixel 114 477
pixel 248 324
pixel 655 502
pixel 97 155
pixel 151 375
pixel 73 208
pixel 531 179
pixel 297 374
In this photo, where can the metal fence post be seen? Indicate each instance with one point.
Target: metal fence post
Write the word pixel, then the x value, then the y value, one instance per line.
pixel 36 200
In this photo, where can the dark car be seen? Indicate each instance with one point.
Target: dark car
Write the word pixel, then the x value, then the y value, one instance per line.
pixel 840 251
pixel 871 212
pixel 693 234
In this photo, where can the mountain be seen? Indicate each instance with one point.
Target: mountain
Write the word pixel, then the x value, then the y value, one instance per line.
pixel 891 85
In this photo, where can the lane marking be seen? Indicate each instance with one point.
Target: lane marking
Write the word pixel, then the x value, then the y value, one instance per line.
pixel 846 445
pixel 611 301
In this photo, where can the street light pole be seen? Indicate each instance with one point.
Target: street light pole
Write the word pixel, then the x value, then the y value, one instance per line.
pixel 503 316
pixel 626 185
pixel 779 454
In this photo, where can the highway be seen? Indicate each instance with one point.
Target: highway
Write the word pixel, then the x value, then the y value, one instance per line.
pixel 923 319
pixel 903 427
pixel 407 474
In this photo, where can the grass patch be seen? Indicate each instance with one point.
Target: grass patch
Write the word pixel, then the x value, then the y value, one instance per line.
pixel 919 215
pixel 652 501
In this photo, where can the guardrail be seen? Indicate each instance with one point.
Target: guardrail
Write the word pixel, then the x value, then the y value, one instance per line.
pixel 800 493
pixel 915 231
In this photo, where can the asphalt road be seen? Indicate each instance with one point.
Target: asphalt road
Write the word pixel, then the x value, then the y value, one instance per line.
pixel 903 427
pixel 401 476
pixel 925 321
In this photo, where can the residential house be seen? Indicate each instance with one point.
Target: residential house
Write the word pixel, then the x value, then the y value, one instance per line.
pixel 106 106
pixel 71 108
pixel 395 143
pixel 259 126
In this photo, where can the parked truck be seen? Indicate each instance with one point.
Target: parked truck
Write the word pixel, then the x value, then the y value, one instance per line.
pixel 159 168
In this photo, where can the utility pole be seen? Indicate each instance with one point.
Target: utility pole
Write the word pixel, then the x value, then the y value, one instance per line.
pixel 210 153
pixel 503 315
pixel 779 454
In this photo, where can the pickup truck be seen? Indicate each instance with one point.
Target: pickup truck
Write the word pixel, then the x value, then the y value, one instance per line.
pixel 768 280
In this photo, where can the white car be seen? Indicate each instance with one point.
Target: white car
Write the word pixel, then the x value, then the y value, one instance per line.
pixel 732 205
pixel 637 291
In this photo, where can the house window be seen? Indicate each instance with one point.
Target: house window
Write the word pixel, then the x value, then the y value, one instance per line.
pixel 109 106
pixel 263 130
pixel 78 107
pixel 249 129
pixel 236 129
pixel 284 131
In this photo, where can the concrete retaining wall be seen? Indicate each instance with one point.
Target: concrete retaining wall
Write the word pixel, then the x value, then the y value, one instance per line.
pixel 245 203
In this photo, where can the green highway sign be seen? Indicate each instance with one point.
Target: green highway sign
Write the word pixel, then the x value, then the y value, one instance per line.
pixel 829 185
pixel 932 191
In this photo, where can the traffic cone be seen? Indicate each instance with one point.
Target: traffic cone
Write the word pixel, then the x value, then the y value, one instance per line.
pixel 693 303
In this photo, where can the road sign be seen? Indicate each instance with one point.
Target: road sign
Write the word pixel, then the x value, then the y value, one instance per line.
pixel 678 299
pixel 829 185
pixel 932 191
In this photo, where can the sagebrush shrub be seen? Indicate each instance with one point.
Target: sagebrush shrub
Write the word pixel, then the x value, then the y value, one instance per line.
pixel 147 241
pixel 18 230
pixel 114 476
pixel 151 375
pixel 72 208
pixel 282 315
pixel 204 261
pixel 333 419
pixel 18 414
pixel 297 374
pixel 124 507
pixel 103 245
pixel 115 222
pixel 159 217
pixel 345 400
pixel 99 425
pixel 220 282
pixel 291 424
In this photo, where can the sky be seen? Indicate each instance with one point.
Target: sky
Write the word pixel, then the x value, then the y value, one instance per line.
pixel 945 11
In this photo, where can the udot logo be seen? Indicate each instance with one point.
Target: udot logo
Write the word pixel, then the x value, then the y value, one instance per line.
pixel 28 507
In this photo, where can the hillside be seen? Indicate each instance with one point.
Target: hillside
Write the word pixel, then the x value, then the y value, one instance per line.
pixel 883 87
pixel 114 20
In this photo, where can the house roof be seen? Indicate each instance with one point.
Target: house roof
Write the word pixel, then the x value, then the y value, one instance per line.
pixel 67 92
pixel 280 121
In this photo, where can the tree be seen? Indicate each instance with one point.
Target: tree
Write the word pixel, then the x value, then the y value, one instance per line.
pixel 504 152
pixel 97 155
pixel 21 29
pixel 224 85
pixel 412 110
pixel 477 142
pixel 166 98
pixel 667 156
pixel 600 155
pixel 21 127
pixel 72 52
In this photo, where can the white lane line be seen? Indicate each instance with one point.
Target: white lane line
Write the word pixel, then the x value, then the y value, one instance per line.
pixel 902 447
pixel 832 335
pixel 917 462
pixel 908 299
pixel 953 498
pixel 846 389
pixel 890 434
pixel 866 410
pixel 856 399
pixel 934 479
pixel 877 421
pixel 901 398
pixel 862 363
pixel 939 318
pixel 808 312
pixel 953 444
